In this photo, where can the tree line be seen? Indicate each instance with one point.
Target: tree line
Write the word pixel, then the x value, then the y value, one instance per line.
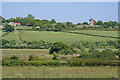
pixel 53 25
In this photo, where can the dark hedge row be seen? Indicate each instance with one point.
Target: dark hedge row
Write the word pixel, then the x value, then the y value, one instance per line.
pixel 62 63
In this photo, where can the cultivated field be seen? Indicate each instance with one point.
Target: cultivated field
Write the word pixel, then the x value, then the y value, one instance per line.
pixel 58 36
pixel 60 72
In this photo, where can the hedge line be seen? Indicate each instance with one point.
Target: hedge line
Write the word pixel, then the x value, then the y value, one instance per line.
pixel 61 63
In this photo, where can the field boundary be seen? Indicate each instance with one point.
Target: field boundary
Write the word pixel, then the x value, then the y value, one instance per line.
pixel 92 35
pixel 4 34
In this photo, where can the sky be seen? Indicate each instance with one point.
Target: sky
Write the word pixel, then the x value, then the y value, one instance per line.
pixel 62 11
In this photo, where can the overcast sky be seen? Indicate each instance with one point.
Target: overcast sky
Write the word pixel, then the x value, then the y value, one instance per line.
pixel 62 11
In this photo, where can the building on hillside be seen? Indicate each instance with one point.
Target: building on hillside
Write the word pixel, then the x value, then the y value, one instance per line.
pixel 14 24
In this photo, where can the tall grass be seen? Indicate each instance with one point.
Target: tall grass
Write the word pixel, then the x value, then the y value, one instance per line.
pixel 60 72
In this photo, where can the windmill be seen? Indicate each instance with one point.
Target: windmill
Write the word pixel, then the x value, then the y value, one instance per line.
pixel 91 22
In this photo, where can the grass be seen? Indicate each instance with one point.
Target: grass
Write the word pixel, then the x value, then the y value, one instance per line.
pixel 60 72
pixel 53 36
pixel 24 53
pixel 23 27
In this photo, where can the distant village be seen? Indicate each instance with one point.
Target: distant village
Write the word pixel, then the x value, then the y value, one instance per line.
pixel 91 23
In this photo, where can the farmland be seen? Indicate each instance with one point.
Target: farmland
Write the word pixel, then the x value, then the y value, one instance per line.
pixel 60 72
pixel 51 36
pixel 56 71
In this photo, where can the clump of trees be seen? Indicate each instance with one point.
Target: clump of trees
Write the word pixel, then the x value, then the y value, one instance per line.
pixel 79 48
pixel 60 48
pixel 8 28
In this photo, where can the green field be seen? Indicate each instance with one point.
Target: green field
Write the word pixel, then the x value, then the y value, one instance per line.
pixel 98 32
pixel 60 72
pixel 56 36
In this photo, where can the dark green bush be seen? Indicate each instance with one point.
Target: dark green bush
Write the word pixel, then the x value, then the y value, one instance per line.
pixel 14 57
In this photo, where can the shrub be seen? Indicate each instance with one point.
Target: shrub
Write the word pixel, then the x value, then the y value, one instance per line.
pixel 55 56
pixel 14 58
pixel 33 58
pixel 107 53
pixel 5 59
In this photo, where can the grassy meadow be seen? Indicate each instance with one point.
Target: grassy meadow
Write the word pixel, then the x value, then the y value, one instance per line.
pixel 98 32
pixel 51 36
pixel 24 53
pixel 60 72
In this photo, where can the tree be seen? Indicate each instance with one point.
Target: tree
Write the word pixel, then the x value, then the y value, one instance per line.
pixel 28 21
pixel 99 22
pixel 78 45
pixel 52 21
pixel 60 47
pixel 78 23
pixel 69 24
pixel 9 28
pixel 30 16
pixel 14 58
pixel 11 20
pixel 18 19
pixel 85 23
pixel 107 53
pixel 58 27
pixel 4 41
pixel 3 19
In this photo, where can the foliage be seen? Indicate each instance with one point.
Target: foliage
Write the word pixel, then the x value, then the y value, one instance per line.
pixel 9 28
pixel 74 62
pixel 46 25
pixel 25 44
pixel 55 56
pixel 107 53
pixel 60 47
pixel 14 57
pixel 85 23
pixel 33 58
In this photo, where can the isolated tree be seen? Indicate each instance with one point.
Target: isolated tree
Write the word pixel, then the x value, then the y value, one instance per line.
pixel 52 21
